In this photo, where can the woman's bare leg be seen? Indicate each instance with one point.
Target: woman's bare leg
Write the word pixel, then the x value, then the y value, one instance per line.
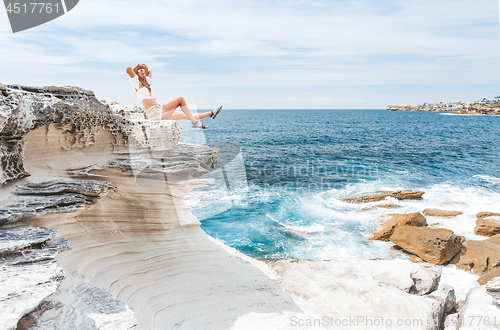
pixel 169 110
pixel 177 115
pixel 170 113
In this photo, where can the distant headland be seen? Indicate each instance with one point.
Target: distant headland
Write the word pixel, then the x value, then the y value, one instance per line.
pixel 482 107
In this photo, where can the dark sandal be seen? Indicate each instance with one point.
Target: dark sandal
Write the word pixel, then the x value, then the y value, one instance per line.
pixel 215 112
pixel 195 125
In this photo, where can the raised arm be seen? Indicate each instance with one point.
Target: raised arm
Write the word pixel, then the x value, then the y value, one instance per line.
pixel 130 71
pixel 150 74
pixel 134 82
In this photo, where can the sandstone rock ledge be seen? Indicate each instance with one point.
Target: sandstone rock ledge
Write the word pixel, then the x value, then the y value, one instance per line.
pixel 112 183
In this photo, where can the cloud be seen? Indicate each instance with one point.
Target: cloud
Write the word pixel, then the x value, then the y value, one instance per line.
pixel 265 50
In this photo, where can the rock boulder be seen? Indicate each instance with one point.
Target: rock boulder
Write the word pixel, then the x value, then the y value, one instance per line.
pixel 487 214
pixel 487 226
pixel 381 195
pixel 441 213
pixel 479 311
pixel 478 256
pixel 434 245
pixel 486 277
pixel 393 220
pixel 367 289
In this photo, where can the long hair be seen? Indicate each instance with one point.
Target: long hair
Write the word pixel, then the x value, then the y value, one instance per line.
pixel 143 81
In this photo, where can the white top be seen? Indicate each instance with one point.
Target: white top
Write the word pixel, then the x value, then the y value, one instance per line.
pixel 142 93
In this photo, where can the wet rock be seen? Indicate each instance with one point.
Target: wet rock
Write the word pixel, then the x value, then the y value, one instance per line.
pixel 434 245
pixel 393 220
pixel 487 226
pixel 381 195
pixel 441 213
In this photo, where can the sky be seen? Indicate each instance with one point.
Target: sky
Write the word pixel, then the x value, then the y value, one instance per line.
pixel 273 54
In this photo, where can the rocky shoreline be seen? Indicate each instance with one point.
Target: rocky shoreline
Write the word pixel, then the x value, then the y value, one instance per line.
pixel 412 234
pixel 469 110
pixel 94 234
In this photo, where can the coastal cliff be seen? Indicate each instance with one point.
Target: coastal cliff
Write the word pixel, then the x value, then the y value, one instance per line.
pixel 484 107
pixel 111 183
pixel 95 235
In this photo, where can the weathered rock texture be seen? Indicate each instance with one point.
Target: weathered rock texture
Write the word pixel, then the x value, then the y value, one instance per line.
pixel 393 220
pixel 363 290
pixel 381 195
pixel 487 214
pixel 31 321
pixel 480 257
pixel 28 274
pixel 487 226
pixel 30 199
pixel 493 289
pixel 75 120
pixel 433 245
pixel 79 305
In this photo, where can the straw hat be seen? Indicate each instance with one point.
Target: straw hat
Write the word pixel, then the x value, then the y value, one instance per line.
pixel 141 66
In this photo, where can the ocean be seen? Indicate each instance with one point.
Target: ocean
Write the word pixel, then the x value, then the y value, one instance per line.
pixel 279 186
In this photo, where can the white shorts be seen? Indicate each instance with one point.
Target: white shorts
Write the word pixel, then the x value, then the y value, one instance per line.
pixel 154 112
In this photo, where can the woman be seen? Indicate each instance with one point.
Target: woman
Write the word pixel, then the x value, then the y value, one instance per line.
pixel 140 78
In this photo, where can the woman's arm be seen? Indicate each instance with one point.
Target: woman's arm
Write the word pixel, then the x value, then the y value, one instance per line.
pixel 134 82
pixel 130 71
pixel 149 74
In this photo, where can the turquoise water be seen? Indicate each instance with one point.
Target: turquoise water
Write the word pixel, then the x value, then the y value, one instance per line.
pixel 282 195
